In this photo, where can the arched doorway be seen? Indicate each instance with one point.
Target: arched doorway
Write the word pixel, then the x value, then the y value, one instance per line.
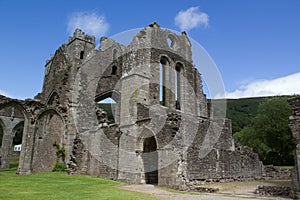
pixel 49 130
pixel 150 159
pixel 12 120
pixel 16 145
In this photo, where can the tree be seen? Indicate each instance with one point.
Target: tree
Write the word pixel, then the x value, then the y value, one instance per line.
pixel 269 134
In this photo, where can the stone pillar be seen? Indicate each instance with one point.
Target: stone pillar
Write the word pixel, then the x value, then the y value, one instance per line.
pixel 171 87
pixel 166 85
pixel 295 128
pixel 27 147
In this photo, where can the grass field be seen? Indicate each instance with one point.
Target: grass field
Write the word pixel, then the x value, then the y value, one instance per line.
pixel 53 185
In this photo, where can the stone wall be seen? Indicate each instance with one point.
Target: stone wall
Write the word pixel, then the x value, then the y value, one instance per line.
pixel 295 128
pixel 218 158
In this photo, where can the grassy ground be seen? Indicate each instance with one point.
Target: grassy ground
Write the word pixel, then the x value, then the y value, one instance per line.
pixel 60 186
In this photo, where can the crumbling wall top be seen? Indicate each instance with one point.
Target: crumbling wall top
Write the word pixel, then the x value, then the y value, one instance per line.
pixel 295 118
pixel 155 37
pixel 79 34
pixel 295 105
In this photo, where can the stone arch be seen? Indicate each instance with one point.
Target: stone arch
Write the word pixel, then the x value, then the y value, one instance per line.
pixel 172 41
pixel 179 66
pixel 53 98
pixel 147 146
pixel 179 73
pixel 12 113
pixel 18 105
pixel 164 88
pixel 109 80
pixel 49 129
pixel 17 139
pixel 115 95
pixel 20 125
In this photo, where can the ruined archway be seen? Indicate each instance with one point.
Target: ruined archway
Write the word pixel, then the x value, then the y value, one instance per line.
pixel 150 160
pixel 147 145
pixel 53 98
pixel 16 144
pixel 49 129
pixel 18 133
pixel 13 116
pixel 108 101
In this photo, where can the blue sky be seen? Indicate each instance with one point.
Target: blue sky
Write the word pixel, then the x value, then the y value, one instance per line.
pixel 254 43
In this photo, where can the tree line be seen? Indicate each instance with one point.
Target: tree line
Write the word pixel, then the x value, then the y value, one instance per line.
pixel 265 128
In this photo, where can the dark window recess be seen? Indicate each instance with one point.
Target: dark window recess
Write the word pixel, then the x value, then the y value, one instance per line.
pixel 81 54
pixel 114 70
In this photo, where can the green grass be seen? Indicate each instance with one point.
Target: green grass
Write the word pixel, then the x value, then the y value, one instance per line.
pixel 286 167
pixel 14 162
pixel 54 185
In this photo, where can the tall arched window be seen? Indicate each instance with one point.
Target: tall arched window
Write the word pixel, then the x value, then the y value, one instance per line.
pixel 53 99
pixel 178 70
pixel 164 79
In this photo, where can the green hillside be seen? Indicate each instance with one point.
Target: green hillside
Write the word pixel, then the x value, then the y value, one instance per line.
pixel 242 111
pixel 263 124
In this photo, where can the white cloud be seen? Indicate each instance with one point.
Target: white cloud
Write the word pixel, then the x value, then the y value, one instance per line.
pixel 287 85
pixel 4 93
pixel 89 22
pixel 191 18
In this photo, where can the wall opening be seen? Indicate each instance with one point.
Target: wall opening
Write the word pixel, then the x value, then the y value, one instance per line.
pixel 11 131
pixel 171 41
pixel 109 106
pixel 161 86
pixel 114 70
pixel 81 54
pixel 177 84
pixel 150 159
pixel 163 89
pixel 54 99
pixel 18 134
pixel 17 142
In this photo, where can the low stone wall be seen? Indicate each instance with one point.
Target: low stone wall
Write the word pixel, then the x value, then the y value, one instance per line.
pixel 273 172
pixel 273 191
pixel 197 188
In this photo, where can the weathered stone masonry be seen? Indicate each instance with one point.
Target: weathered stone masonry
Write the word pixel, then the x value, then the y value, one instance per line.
pixel 295 128
pixel 163 131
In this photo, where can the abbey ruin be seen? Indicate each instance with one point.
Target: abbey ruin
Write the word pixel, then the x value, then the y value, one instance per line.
pixel 163 130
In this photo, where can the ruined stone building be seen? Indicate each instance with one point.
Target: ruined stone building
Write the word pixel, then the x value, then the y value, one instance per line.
pixel 162 133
